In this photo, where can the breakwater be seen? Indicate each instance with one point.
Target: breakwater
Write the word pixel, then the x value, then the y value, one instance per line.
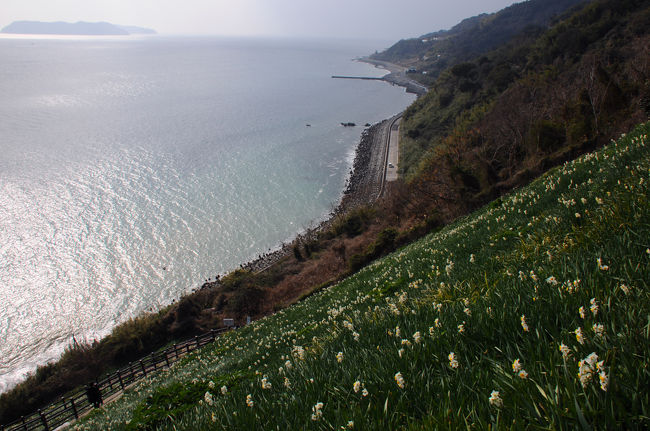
pixel 367 78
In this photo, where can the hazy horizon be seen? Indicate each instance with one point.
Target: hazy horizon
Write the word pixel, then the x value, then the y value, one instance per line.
pixel 361 19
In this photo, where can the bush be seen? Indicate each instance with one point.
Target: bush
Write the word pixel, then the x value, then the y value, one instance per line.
pixel 355 223
pixel 385 243
pixel 296 252
pixel 463 70
pixel 246 300
pixel 547 136
pixel 235 279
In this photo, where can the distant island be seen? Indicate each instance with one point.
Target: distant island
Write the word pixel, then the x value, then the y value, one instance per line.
pixel 77 28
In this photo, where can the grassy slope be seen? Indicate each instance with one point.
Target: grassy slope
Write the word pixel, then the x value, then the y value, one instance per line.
pixel 534 253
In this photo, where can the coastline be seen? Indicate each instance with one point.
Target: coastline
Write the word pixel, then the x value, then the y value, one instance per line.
pixel 362 188
pixel 363 185
pixel 397 75
pixel 350 195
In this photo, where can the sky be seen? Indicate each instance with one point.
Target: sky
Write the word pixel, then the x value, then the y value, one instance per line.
pixel 348 19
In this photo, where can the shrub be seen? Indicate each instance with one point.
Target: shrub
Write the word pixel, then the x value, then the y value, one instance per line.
pixel 354 223
pixel 296 252
pixel 385 243
pixel 547 136
pixel 246 300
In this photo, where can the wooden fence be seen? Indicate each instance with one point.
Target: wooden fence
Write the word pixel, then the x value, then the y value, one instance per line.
pixel 77 404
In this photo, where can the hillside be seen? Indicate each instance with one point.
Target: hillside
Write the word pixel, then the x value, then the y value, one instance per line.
pixel 488 125
pixel 531 312
pixel 434 52
pixel 504 117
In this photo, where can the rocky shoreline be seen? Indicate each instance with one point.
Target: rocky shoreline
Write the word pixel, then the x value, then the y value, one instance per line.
pixel 362 188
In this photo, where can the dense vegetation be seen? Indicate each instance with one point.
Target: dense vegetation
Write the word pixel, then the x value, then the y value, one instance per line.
pixel 490 123
pixel 434 52
pixel 530 313
pixel 507 116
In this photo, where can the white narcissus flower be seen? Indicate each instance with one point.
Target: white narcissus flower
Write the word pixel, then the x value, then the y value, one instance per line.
pixel 453 363
pixel 317 411
pixel 599 329
pixel 495 399
pixel 603 380
pixel 594 306
pixel 566 351
pixel 399 379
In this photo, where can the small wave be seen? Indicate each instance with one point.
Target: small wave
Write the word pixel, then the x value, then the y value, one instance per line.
pixel 59 100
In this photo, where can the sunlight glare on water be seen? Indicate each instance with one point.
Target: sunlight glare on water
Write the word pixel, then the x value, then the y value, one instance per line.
pixel 132 170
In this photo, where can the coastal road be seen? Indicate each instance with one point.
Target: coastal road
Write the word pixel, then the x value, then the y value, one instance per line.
pixel 393 151
pixel 389 144
pixel 376 162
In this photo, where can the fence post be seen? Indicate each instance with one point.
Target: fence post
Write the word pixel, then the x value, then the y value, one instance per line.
pixel 22 418
pixel 167 358
pixel 143 369
pixel 213 334
pixel 74 408
pixel 175 351
pixel 119 377
pixel 132 372
pixel 196 338
pixel 43 419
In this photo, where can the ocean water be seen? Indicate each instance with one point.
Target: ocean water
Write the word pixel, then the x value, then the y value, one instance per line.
pixel 131 170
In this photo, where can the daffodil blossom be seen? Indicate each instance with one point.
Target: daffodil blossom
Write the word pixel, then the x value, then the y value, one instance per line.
pixel 399 379
pixel 495 399
pixel 453 363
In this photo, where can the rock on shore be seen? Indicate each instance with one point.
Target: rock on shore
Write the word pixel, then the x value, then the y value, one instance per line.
pixel 363 187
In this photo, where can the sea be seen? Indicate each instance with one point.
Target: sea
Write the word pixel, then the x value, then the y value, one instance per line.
pixel 132 169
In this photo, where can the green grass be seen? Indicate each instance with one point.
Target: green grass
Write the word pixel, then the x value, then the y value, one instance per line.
pixel 578 236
